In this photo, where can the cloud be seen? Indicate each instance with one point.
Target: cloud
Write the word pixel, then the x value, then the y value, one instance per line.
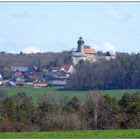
pixel 15 46
pixel 107 46
pixel 118 14
pixel 30 49
pixel 114 13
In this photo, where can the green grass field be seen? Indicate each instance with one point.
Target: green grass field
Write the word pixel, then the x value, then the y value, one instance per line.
pixel 75 134
pixel 36 93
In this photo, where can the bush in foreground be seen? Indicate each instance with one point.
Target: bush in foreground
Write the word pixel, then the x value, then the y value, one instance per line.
pixel 18 113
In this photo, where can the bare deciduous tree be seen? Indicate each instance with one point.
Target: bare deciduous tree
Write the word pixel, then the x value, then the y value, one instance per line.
pixel 92 107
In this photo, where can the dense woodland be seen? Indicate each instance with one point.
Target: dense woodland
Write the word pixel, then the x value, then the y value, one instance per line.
pixel 42 59
pixel 120 73
pixel 18 113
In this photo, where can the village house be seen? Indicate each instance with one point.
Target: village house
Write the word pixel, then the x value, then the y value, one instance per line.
pixel 22 75
pixel 18 76
pixel 68 68
pixel 107 56
pixel 57 76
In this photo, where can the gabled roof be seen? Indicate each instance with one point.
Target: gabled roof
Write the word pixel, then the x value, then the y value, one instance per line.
pixel 110 53
pixel 89 51
pixel 18 74
pixel 66 67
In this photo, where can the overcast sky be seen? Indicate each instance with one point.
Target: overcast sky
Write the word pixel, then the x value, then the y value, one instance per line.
pixel 56 26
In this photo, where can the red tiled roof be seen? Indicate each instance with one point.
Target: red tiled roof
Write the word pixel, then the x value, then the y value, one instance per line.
pixel 89 51
pixel 18 74
pixel 66 67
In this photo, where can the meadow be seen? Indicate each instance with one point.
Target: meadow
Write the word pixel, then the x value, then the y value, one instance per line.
pixel 60 92
pixel 135 133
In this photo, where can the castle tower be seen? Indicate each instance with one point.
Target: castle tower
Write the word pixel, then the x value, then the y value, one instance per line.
pixel 80 43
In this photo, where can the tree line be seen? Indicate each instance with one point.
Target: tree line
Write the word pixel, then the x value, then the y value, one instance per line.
pixel 19 113
pixel 120 73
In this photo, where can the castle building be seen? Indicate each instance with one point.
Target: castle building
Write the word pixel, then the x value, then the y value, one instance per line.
pixel 86 53
pixel 83 52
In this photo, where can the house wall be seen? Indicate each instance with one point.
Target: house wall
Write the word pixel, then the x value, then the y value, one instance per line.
pixel 75 60
pixel 91 57
pixel 71 69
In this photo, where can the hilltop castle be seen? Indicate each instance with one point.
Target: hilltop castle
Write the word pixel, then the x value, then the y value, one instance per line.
pixel 86 53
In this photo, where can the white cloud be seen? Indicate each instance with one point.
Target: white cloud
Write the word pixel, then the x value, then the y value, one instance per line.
pixel 118 14
pixel 16 45
pixel 30 50
pixel 115 13
pixel 106 46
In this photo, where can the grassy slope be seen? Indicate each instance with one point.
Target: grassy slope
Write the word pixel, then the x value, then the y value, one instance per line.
pixel 38 92
pixel 75 134
pixel 118 93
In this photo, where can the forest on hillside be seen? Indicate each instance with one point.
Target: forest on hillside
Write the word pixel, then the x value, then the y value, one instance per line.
pixel 35 59
pixel 123 72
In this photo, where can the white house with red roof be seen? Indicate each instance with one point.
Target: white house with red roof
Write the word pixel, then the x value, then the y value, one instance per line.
pixel 68 68
pixel 58 76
